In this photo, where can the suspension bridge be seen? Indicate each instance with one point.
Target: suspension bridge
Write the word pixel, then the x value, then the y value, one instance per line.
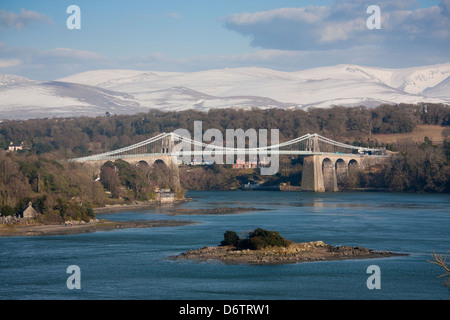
pixel 325 161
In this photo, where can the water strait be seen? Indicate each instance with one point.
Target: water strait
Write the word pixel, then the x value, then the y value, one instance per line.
pixel 136 264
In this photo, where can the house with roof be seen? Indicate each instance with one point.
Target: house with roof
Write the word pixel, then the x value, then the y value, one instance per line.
pixel 15 147
pixel 29 212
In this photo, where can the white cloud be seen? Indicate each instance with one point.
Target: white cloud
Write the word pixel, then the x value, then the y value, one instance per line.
pixel 69 53
pixel 50 64
pixel 445 7
pixel 22 19
pixel 305 14
pixel 9 63
pixel 343 24
pixel 333 32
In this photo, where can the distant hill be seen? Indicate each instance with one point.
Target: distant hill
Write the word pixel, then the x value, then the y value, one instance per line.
pixel 131 91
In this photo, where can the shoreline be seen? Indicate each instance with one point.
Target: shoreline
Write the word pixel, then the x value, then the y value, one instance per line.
pixel 294 253
pixel 43 229
pixel 101 225
pixel 114 208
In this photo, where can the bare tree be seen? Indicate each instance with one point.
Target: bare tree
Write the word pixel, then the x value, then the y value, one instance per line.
pixel 442 262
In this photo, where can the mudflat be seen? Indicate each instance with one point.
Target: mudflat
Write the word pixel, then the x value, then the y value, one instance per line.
pixel 67 229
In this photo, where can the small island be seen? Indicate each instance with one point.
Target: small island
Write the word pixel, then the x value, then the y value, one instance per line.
pixel 268 247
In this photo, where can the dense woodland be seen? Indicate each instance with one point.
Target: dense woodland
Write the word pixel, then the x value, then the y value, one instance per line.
pixel 64 190
pixel 83 136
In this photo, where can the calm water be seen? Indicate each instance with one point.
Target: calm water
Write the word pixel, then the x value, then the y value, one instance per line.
pixel 133 264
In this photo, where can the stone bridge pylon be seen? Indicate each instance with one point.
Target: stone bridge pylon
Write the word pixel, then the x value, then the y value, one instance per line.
pixel 321 173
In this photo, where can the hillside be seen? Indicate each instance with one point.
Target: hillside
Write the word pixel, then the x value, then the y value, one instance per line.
pixel 432 132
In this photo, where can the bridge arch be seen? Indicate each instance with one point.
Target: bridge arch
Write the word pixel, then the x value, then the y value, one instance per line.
pixel 326 162
pixel 160 163
pixel 143 164
pixel 329 174
pixel 341 168
pixel 353 165
pixel 148 161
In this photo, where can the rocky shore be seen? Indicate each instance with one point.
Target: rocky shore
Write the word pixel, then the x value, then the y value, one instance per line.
pixel 294 253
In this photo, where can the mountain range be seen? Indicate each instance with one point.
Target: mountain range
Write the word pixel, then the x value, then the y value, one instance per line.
pixel 97 92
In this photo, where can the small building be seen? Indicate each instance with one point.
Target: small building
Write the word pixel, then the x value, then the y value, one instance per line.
pixel 251 186
pixel 241 164
pixel 164 195
pixel 29 212
pixel 15 147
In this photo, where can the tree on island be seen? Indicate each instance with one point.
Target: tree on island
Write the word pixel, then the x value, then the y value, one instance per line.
pixel 230 238
pixel 256 240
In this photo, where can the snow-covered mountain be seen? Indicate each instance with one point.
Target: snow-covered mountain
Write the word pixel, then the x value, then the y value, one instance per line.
pixel 37 99
pixel 439 91
pixel 130 91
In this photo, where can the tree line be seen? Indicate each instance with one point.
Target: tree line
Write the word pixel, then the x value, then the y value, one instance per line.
pixel 82 136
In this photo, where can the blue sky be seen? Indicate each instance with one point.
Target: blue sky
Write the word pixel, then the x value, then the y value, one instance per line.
pixel 193 35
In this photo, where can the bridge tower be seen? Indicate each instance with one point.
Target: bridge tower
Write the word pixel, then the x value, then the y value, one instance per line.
pixel 312 143
pixel 167 145
pixel 312 175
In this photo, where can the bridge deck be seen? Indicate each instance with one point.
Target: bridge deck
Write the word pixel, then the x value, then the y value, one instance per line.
pixel 201 149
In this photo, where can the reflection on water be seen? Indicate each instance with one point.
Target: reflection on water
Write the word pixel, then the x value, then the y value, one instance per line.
pixel 330 204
